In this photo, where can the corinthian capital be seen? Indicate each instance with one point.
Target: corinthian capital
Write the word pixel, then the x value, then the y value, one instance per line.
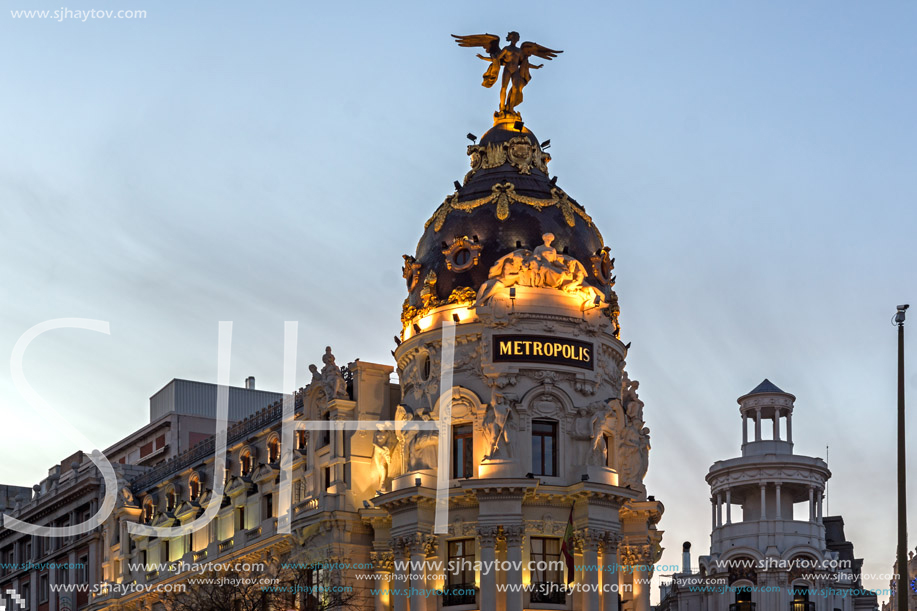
pixel 488 535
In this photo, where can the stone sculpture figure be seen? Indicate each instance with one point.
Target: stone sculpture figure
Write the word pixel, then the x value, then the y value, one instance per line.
pixel 633 406
pixel 425 444
pixel 543 268
pixel 515 63
pixel 332 378
pixel 599 450
pixel 383 444
pixel 497 428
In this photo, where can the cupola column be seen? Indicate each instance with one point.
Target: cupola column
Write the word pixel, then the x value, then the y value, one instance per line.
pixel 758 424
pixel 789 426
pixel 712 513
pixel 763 501
pixel 729 505
pixel 779 514
pixel 811 503
pixel 821 499
pixel 719 509
pixel 744 428
pixel 776 425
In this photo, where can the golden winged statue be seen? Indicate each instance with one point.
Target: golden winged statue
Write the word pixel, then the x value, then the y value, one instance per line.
pixel 515 62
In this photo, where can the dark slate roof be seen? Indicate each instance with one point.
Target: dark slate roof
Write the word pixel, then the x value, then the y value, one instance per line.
pixel 765 387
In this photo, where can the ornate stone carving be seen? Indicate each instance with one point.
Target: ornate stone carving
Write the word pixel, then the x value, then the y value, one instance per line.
pixel 462 254
pixel 461 295
pixel 543 268
pixel 488 535
pixel 411 272
pixel 383 562
pixel 603 266
pixel 514 535
pixel 504 194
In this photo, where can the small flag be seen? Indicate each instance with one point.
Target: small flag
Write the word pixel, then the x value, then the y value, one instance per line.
pixel 566 548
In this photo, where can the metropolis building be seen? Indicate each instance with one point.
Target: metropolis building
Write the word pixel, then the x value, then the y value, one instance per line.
pixel 510 303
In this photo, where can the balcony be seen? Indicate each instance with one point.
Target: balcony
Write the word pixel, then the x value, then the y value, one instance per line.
pixel 465 594
pixel 744 606
pixel 802 605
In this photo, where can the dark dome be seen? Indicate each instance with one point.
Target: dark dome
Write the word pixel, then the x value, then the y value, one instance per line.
pixel 507 202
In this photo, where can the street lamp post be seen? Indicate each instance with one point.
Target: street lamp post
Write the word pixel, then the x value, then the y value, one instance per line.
pixel 902 589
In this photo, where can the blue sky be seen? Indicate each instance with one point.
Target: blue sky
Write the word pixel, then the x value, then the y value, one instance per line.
pixel 751 166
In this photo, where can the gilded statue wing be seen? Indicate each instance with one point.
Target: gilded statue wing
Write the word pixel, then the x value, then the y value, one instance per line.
pixel 533 48
pixel 488 42
pixel 491 44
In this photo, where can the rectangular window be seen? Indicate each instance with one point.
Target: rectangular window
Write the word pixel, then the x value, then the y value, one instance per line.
pixel 160 442
pixel 240 518
pixel 164 551
pixel 460 589
pixel 547 571
pixel 544 447
pixel 609 451
pixel 146 449
pixel 462 449
pixel 326 433
pixel 82 572
pixel 267 506
pixel 26 594
pixel 43 589
pixel 327 477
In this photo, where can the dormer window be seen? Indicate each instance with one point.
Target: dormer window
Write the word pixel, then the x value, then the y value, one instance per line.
pixel 194 487
pixel 148 510
pixel 245 463
pixel 273 450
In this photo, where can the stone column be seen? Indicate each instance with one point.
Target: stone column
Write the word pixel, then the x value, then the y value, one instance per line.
pixel 779 514
pixel 744 428
pixel 758 424
pixel 719 509
pixel 400 600
pixel 488 539
pixel 712 513
pixel 821 499
pixel 763 501
pixel 641 588
pixel 610 573
pixel 789 426
pixel 811 504
pixel 776 425
pixel 729 505
pixel 420 547
pixel 515 536
pixel 591 541
pixel 382 567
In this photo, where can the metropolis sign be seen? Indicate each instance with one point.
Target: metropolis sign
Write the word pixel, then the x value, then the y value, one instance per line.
pixel 539 349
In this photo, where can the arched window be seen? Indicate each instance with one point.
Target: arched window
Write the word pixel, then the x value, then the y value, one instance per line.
pixel 148 510
pixel 743 599
pixel 171 499
pixel 544 447
pixel 245 463
pixel 273 450
pixel 194 487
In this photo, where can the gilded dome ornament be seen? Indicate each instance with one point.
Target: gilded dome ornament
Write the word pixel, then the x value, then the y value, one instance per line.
pixel 514 60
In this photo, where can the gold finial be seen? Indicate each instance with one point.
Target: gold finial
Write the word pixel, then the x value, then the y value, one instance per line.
pixel 516 67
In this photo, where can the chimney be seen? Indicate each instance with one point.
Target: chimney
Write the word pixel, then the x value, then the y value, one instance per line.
pixel 686 557
pixel 250 383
